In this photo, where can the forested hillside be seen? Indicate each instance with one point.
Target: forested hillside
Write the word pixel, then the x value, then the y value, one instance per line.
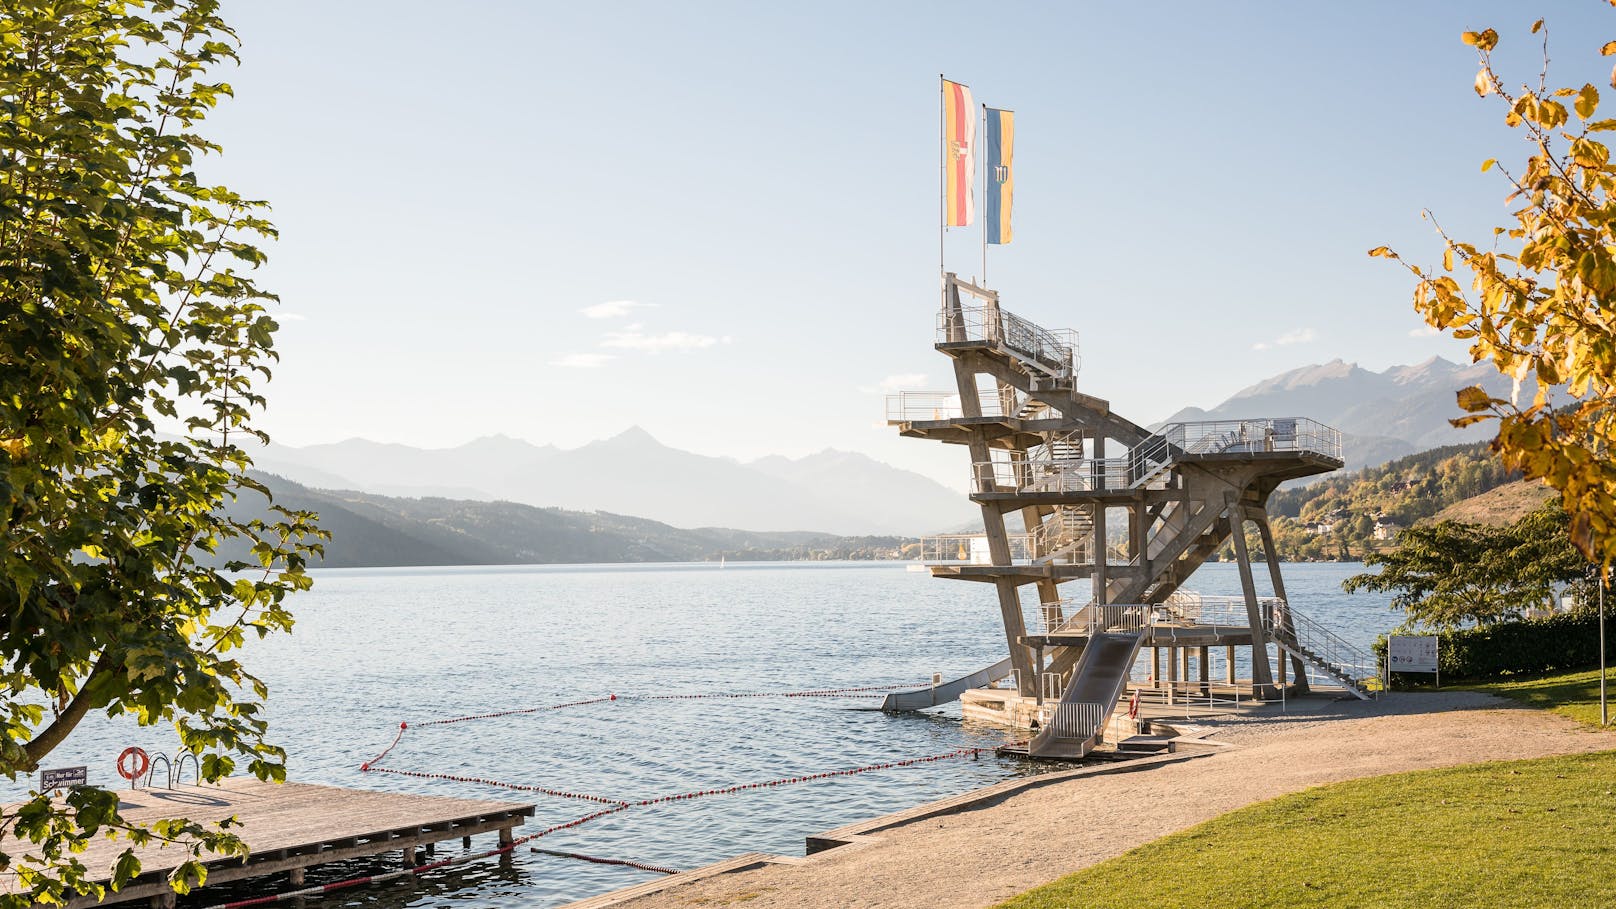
pixel 373 530
pixel 1344 516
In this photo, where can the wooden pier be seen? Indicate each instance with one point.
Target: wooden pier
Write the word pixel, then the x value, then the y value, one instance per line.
pixel 292 826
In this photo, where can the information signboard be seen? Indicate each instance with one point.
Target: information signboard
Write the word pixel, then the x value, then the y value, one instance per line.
pixel 63 778
pixel 1413 653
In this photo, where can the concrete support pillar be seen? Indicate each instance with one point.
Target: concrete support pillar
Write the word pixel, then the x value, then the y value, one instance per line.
pixel 1101 578
pixel 1137 522
pixel 1206 671
pixel 1279 591
pixel 1155 667
pixel 1228 665
pixel 297 876
pixel 1262 673
pixel 1015 625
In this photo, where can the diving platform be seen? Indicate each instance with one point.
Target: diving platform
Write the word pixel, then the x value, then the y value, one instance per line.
pixel 289 827
pixel 1071 491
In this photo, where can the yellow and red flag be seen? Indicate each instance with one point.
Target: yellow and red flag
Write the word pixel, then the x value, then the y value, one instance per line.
pixel 959 155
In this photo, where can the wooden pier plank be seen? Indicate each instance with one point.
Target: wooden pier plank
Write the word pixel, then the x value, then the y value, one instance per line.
pixel 290 826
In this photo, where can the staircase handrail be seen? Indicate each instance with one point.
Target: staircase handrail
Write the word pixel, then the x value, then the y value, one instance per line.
pixel 1324 644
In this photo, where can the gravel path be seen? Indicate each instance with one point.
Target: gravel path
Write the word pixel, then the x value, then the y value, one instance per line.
pixel 981 856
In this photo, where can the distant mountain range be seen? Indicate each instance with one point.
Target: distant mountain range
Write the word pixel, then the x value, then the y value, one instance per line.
pixel 384 531
pixel 633 474
pixel 1382 415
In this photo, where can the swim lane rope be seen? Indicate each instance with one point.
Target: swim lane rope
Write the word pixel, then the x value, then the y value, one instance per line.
pixel 613 806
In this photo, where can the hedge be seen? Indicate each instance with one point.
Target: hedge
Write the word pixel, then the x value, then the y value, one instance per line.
pixel 1557 643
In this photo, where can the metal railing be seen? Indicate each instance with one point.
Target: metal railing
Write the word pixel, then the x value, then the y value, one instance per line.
pixel 1046 475
pixel 1051 684
pixel 1190 608
pixel 1322 644
pixel 919 406
pixel 1087 619
pixel 1077 721
pixel 1246 436
pixel 1052 350
pixel 972 548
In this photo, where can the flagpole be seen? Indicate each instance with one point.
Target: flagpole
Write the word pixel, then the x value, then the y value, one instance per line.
pixel 981 137
pixel 942 173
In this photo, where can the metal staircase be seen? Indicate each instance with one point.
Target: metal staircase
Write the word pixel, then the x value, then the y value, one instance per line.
pixel 1322 649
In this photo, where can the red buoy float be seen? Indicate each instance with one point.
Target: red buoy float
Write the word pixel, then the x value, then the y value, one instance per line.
pixel 133 762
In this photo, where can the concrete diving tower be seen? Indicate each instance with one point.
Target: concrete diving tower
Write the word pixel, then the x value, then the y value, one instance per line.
pixel 1095 497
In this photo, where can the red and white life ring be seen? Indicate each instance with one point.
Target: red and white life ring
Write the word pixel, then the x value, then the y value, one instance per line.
pixel 136 757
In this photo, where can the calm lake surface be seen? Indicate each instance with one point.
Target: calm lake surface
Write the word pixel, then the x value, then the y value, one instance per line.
pixel 374 647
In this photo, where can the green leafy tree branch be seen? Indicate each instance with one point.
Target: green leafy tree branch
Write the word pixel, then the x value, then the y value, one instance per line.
pixel 133 343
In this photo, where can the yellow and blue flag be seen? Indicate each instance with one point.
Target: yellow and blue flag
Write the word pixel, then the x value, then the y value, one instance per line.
pixel 1001 145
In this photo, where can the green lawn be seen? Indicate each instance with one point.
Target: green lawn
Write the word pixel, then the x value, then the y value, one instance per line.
pixel 1509 833
pixel 1572 694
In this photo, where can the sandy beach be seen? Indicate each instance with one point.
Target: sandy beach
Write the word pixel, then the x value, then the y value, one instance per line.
pixel 980 856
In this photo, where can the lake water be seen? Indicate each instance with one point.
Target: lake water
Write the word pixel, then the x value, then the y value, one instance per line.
pixel 374 647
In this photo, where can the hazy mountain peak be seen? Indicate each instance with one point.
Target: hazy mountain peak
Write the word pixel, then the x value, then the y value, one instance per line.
pixel 501 443
pixel 634 435
pixel 1301 377
pixel 1435 367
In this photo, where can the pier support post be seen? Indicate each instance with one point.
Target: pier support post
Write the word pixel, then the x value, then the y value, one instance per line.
pixel 297 876
pixel 1206 671
pixel 1228 664
pixel 506 838
pixel 164 900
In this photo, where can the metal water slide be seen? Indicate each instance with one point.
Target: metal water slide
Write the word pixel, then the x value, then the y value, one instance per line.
pixel 933 695
pixel 1085 707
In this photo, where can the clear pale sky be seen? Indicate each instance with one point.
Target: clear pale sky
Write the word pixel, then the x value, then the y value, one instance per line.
pixel 460 187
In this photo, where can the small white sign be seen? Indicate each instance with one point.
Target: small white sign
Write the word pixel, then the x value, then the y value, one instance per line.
pixel 1412 653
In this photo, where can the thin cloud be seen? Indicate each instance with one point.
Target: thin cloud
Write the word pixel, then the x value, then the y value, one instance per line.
pixel 672 340
pixel 1424 331
pixel 583 360
pixel 894 383
pixel 614 309
pixel 1299 336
